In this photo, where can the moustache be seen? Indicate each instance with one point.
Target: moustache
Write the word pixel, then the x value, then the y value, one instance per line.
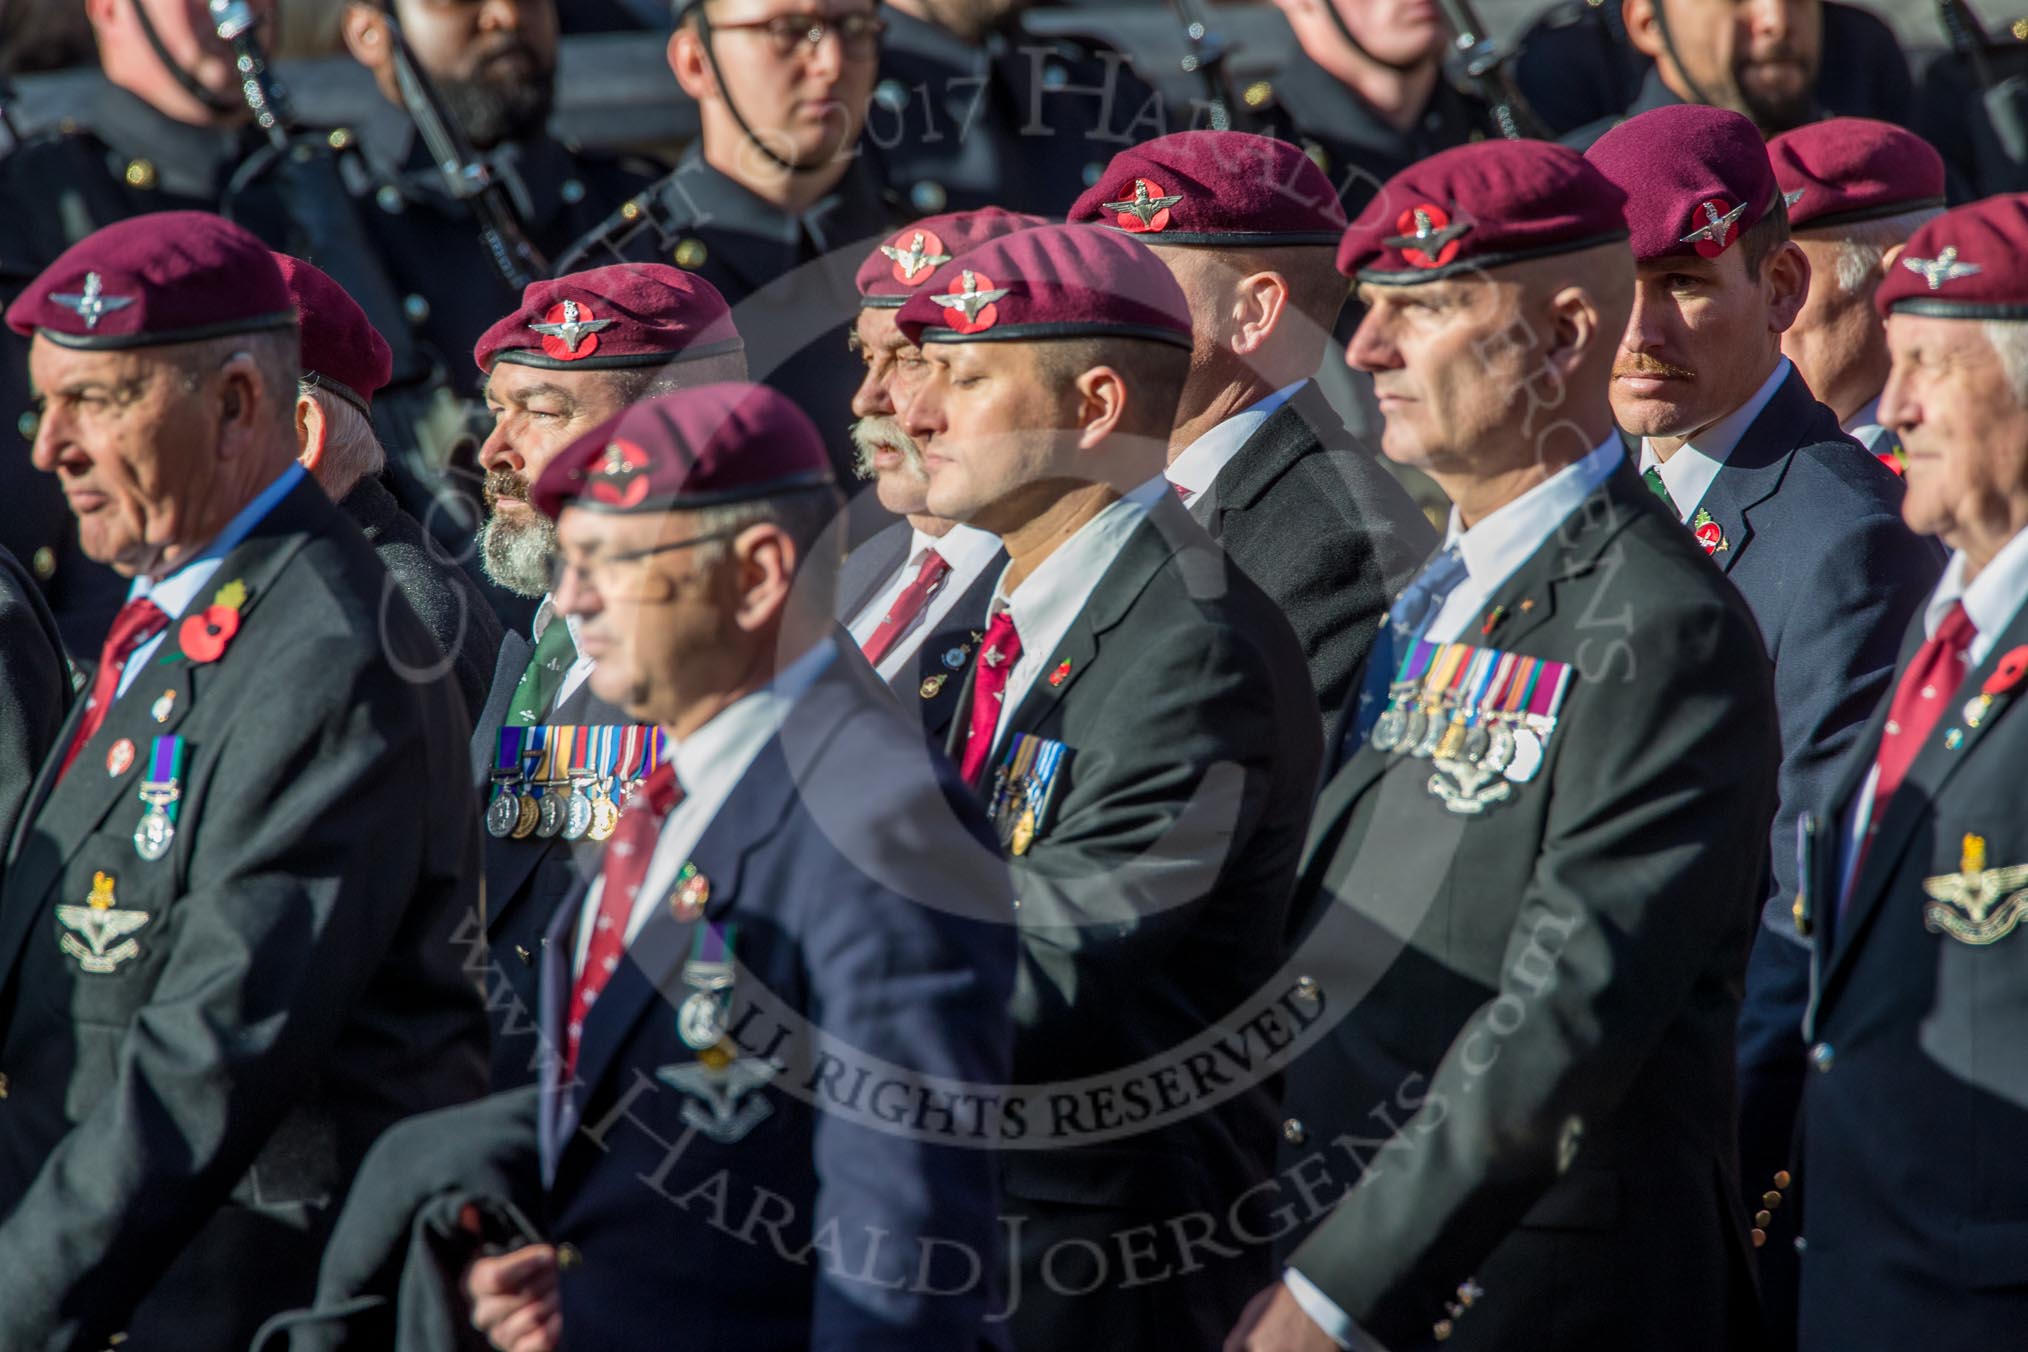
pixel 872 434
pixel 1641 364
pixel 504 485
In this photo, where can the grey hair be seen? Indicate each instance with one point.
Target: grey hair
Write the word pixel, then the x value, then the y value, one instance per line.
pixel 352 451
pixel 2009 338
pixel 805 515
pixel 1863 246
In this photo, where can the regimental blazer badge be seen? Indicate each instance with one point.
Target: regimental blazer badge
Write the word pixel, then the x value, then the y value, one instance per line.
pixel 1976 905
pixel 723 1102
pixel 99 934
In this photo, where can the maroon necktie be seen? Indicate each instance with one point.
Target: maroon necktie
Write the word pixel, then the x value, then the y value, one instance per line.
pixel 626 867
pixel 998 652
pixel 907 607
pixel 1926 690
pixel 138 621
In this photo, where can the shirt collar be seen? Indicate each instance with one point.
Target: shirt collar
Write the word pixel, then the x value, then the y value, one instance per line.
pixel 1688 473
pixel 1505 539
pixel 961 546
pixel 1198 467
pixel 1052 595
pixel 173 594
pixel 710 759
pixel 852 210
pixel 1994 597
pixel 545 613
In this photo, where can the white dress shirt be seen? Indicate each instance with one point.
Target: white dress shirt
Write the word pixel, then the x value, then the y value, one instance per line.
pixel 1050 599
pixel 580 670
pixel 967 549
pixel 1991 602
pixel 1501 542
pixel 1198 467
pixel 174 593
pixel 1688 473
pixel 710 762
pixel 1864 426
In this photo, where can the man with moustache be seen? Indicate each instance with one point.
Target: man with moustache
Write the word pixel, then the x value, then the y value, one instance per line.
pixel 344 362
pixel 1139 720
pixel 1541 864
pixel 796 880
pixel 227 914
pixel 1249 227
pixel 1914 1194
pixel 773 205
pixel 575 352
pixel 1855 191
pixel 494 62
pixel 1761 60
pixel 914 596
pixel 1798 516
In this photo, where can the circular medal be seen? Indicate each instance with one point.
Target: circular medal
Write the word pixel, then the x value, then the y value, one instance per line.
pixel 549 815
pixel 1975 710
pixel 526 815
pixel 1478 742
pixel 1412 730
pixel 153 836
pixel 577 815
pixel 1527 756
pixel 501 815
pixel 954 658
pixel 700 1022
pixel 1388 728
pixel 605 819
pixel 1500 748
pixel 1433 732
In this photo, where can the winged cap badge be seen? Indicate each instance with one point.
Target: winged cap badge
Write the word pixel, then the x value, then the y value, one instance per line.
pixel 1716 234
pixel 1146 204
pixel 1789 199
pixel 570 324
pixel 1943 268
pixel 1429 238
pixel 924 252
pixel 92 304
pixel 971 297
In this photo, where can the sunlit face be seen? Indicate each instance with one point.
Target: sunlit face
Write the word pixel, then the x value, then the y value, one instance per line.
pixel 537 413
pixel 1963 427
pixel 493 60
pixel 1697 344
pixel 884 451
pixel 805 105
pixel 1756 57
pixel 1446 383
pixel 134 448
pixel 988 423
pixel 190 37
pixel 1401 33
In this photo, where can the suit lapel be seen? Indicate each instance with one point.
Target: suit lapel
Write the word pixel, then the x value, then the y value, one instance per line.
pixel 1911 804
pixel 869 568
pixel 507 668
pixel 934 670
pixel 1754 470
pixel 1288 434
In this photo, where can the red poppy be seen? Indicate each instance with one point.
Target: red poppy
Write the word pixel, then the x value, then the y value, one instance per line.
pixel 203 637
pixel 1711 537
pixel 2008 674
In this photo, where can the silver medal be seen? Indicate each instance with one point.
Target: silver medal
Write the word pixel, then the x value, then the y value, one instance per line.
pixel 1434 728
pixel 1499 748
pixel 549 824
pixel 1527 757
pixel 1478 742
pixel 577 815
pixel 501 815
pixel 154 835
pixel 700 1022
pixel 1387 730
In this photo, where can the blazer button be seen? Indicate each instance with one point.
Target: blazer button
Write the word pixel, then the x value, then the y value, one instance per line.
pixel 1758 1236
pixel 527 958
pixel 1822 1055
pixel 1306 989
pixel 1770 1200
pixel 1761 1219
pixel 568 1257
pixel 1782 1179
pixel 1294 1132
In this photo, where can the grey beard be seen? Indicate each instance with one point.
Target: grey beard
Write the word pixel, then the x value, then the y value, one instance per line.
pixel 517 555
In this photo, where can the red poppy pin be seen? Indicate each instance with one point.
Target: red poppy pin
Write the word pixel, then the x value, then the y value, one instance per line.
pixel 204 636
pixel 1061 673
pixel 1708 532
pixel 2013 667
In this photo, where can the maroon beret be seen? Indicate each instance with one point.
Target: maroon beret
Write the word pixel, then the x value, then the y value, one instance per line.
pixel 1848 169
pixel 630 314
pixel 1969 263
pixel 1055 281
pixel 897 269
pixel 1696 178
pixel 1481 206
pixel 695 448
pixel 1228 189
pixel 342 351
pixel 169 277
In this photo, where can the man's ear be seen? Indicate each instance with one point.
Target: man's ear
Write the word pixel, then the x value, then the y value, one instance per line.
pixel 1260 302
pixel 1786 274
pixel 690 64
pixel 1644 29
pixel 365 32
pixel 1889 260
pixel 766 558
pixel 1576 327
pixel 313 430
pixel 1101 405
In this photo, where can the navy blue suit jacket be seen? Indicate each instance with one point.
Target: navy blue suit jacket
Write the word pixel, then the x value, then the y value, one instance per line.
pixel 876 957
pixel 1813 539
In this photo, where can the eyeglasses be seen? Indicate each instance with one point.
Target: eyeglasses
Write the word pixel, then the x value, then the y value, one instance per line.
pixel 601 573
pixel 859 34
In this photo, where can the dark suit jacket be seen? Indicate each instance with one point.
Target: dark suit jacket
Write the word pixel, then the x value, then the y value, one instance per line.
pixel 34 687
pixel 1815 543
pixel 1328 534
pixel 928 686
pixel 525 879
pixel 873 913
pixel 1915 1190
pixel 178 1131
pixel 443 595
pixel 1153 902
pixel 1530 1070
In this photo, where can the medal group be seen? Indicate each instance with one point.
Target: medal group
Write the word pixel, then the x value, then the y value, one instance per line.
pixel 1482 715
pixel 568 781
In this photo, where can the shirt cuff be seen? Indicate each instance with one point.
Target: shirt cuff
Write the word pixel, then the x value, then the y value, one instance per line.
pixel 1326 1315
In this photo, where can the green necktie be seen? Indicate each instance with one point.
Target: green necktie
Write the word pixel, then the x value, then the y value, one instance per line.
pixel 554 654
pixel 1652 476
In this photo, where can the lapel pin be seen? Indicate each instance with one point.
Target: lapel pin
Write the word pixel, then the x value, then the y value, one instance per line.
pixel 162 707
pixel 1062 671
pixel 929 688
pixel 1492 621
pixel 120 757
pixel 1954 739
pixel 1708 532
pixel 693 891
pixel 954 658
